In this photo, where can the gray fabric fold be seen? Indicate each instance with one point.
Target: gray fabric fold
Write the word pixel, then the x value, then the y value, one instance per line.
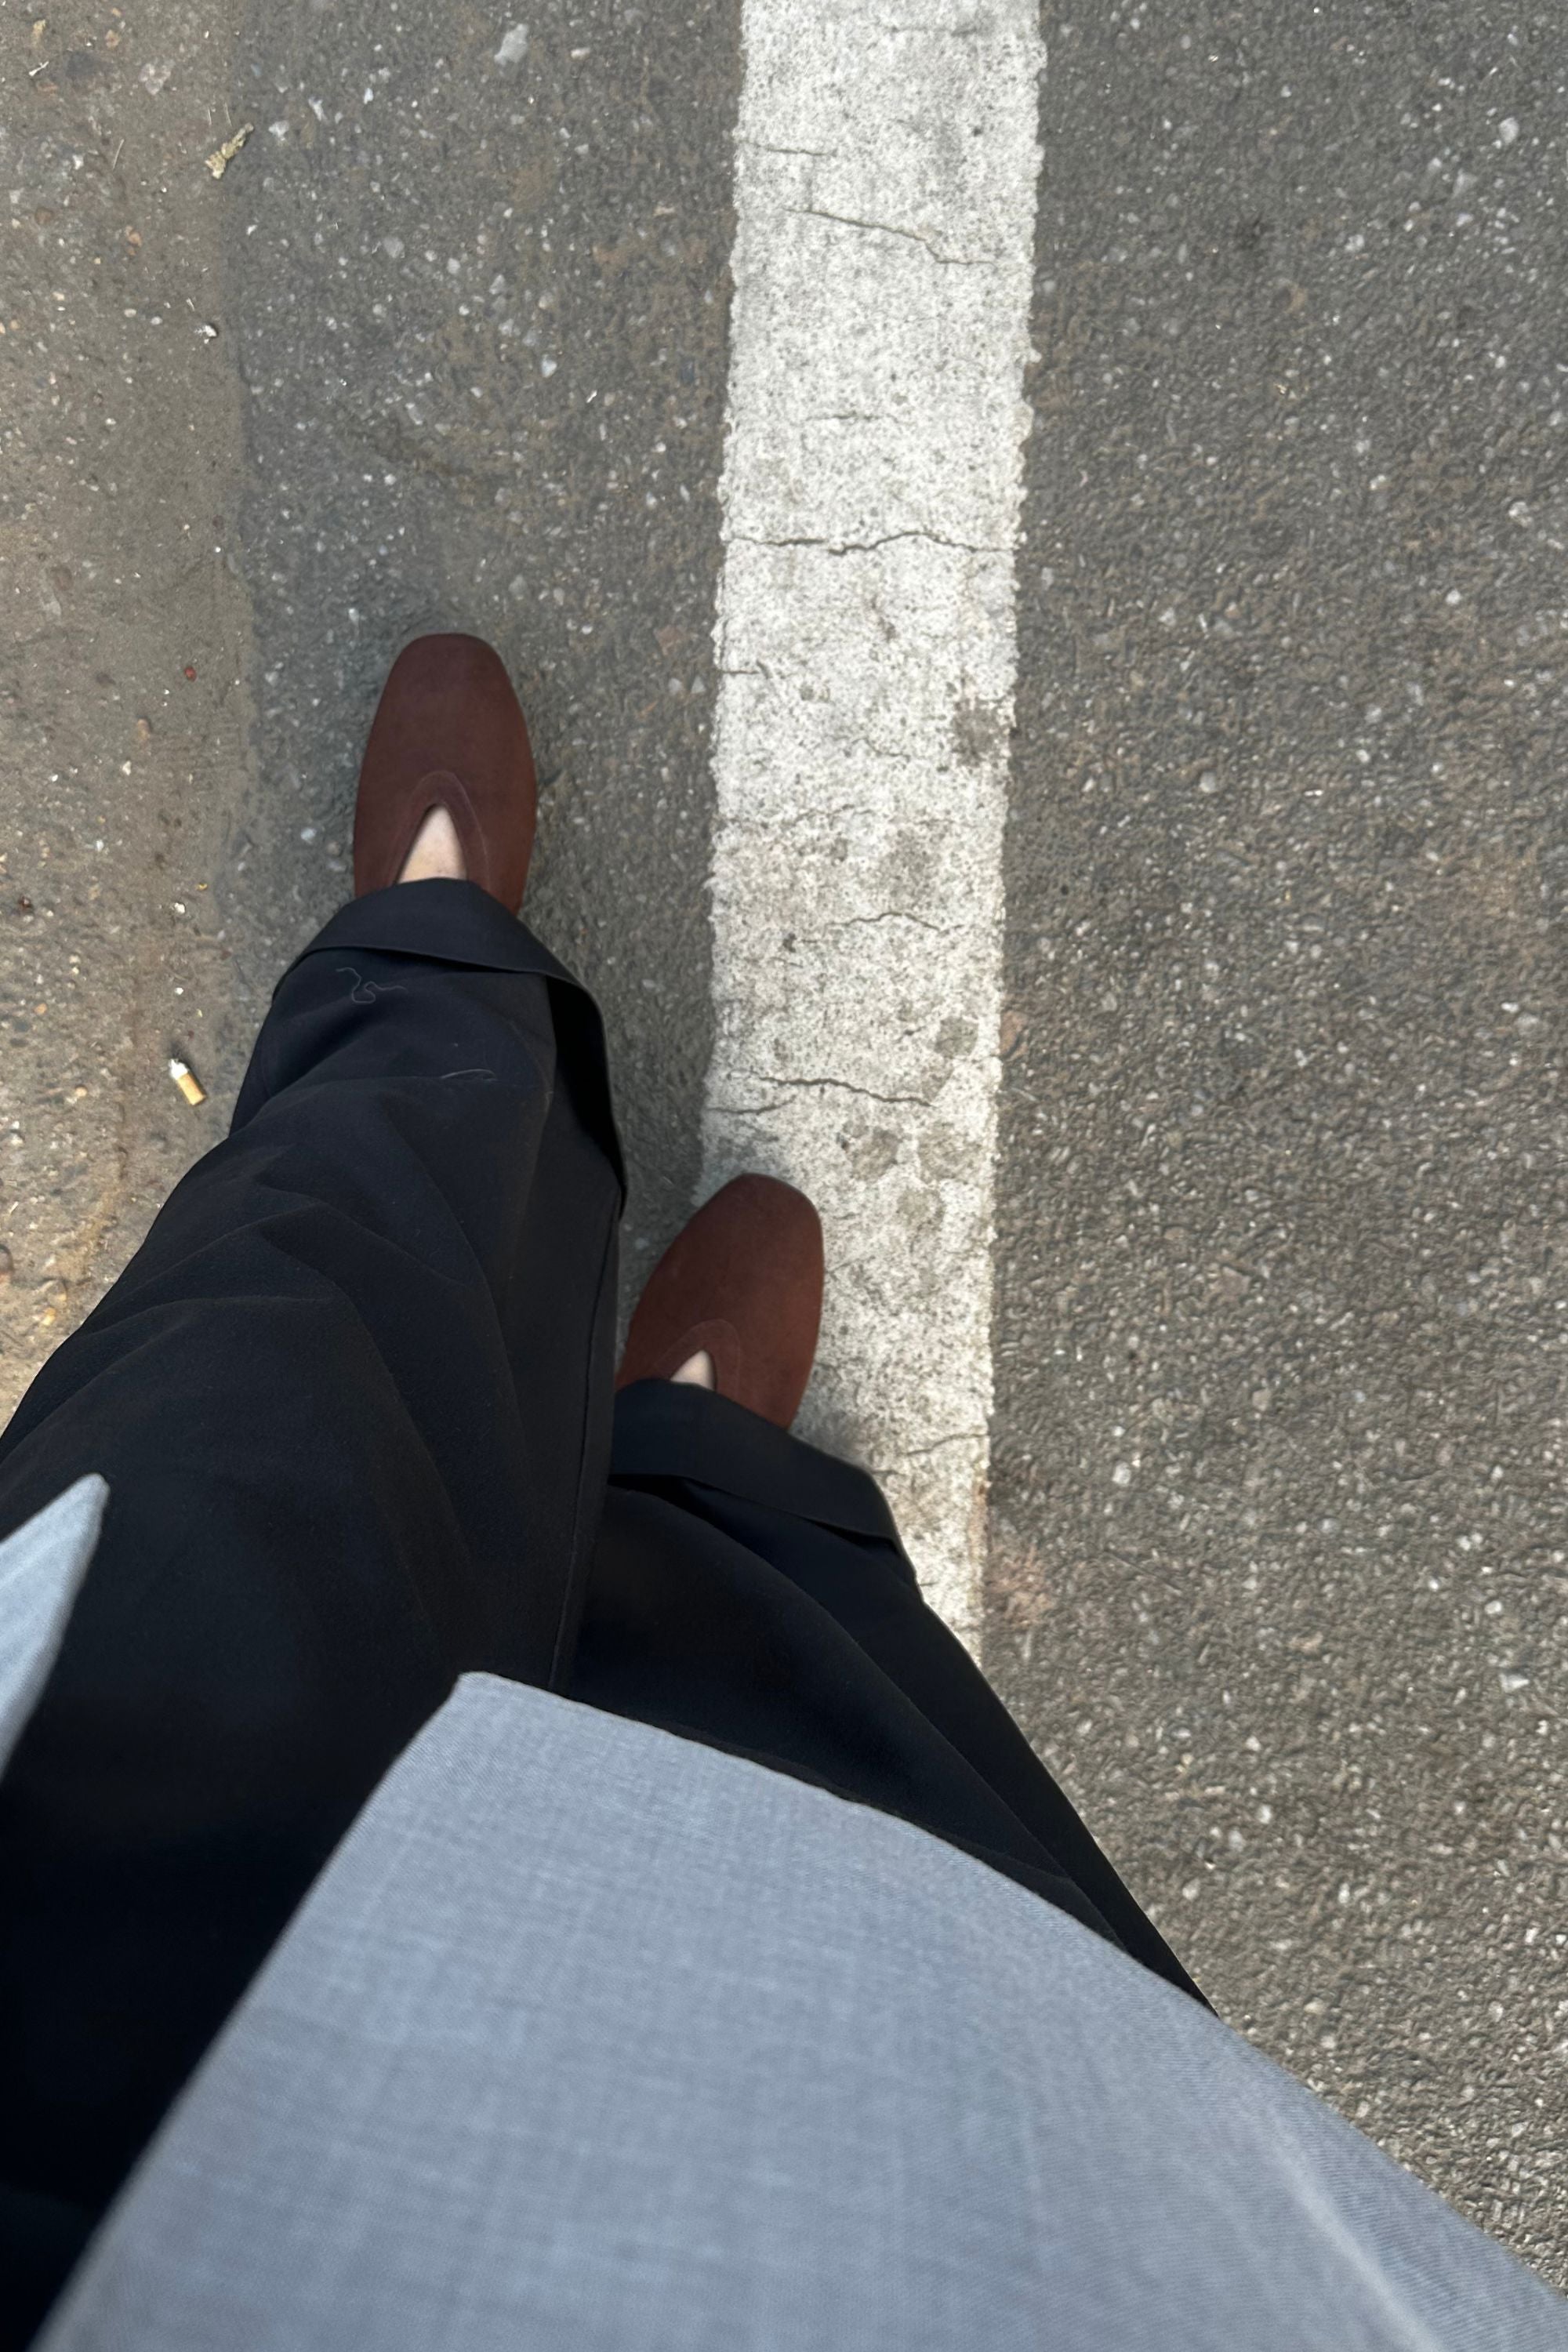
pixel 589 2037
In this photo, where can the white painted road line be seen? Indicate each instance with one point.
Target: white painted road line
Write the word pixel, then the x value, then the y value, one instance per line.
pixel 885 199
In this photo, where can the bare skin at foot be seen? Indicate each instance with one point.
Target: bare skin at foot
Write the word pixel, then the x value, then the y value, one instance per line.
pixel 438 854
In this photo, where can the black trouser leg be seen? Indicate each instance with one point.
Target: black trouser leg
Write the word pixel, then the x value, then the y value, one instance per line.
pixel 352 1399
pixel 750 1591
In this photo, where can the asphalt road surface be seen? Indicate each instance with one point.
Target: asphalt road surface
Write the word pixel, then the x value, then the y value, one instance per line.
pixel 1033 552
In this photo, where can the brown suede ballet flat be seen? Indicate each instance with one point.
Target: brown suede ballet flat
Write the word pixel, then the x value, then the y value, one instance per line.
pixel 448 733
pixel 743 1280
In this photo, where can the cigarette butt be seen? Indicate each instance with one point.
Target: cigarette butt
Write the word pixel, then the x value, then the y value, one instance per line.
pixel 190 1086
pixel 221 157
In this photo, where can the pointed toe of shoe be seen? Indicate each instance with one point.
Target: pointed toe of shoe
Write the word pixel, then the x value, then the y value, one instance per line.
pixel 448 733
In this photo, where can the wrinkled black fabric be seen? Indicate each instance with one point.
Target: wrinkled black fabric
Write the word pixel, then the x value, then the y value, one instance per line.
pixel 352 1398
pixel 352 1401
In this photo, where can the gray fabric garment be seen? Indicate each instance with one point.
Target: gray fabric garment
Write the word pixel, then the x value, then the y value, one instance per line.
pixel 596 2039
pixel 41 1566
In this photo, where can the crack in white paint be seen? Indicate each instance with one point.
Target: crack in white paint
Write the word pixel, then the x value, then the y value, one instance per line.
pixel 876 414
